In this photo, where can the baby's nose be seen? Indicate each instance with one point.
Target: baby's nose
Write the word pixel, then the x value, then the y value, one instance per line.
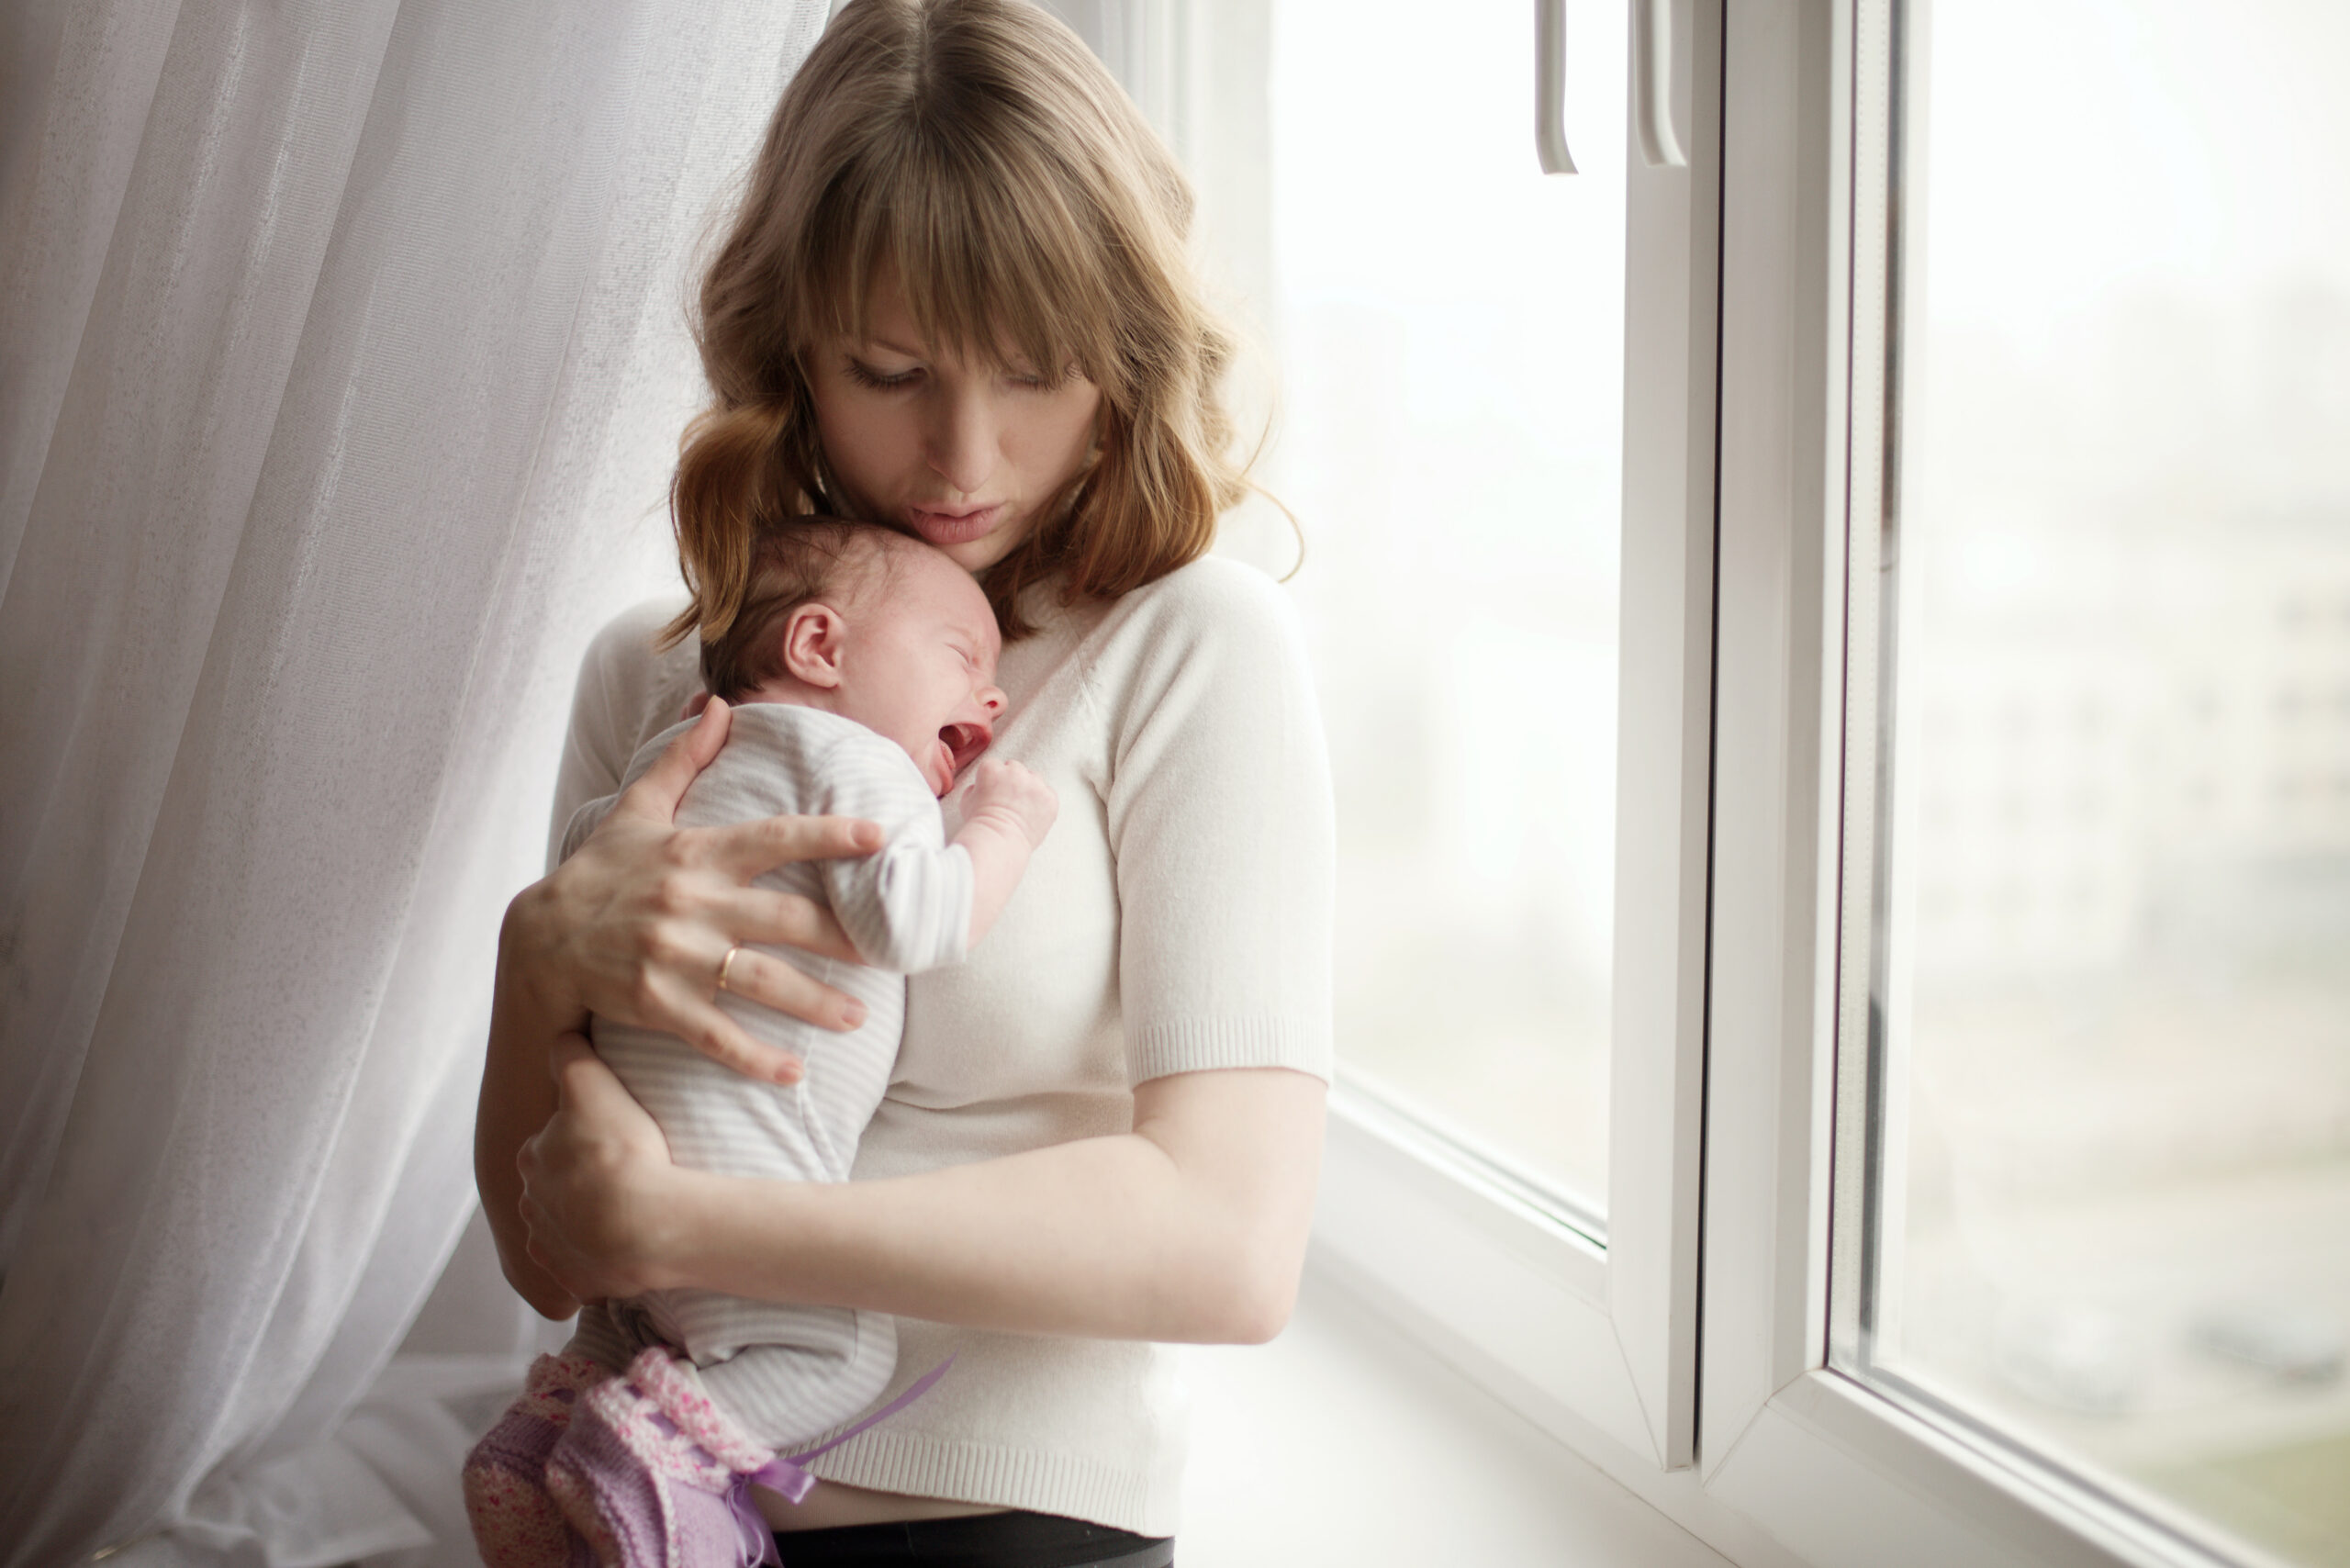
pixel 992 699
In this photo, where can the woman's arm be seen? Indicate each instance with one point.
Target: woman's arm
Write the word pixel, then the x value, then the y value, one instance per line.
pixel 634 927
pixel 1192 1226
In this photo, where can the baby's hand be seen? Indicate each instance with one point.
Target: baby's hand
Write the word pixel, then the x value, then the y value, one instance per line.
pixel 1011 793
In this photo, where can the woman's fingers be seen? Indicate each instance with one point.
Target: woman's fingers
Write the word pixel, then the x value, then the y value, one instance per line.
pixel 592 1180
pixel 757 976
pixel 784 920
pixel 748 848
pixel 640 920
pixel 597 1124
pixel 656 793
pixel 582 1081
pixel 723 1041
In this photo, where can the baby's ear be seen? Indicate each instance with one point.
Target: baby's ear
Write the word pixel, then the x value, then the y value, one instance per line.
pixel 812 645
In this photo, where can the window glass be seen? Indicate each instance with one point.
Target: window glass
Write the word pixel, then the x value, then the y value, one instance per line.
pixel 2114 1218
pixel 1449 325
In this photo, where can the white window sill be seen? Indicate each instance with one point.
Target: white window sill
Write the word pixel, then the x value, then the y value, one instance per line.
pixel 1346 1441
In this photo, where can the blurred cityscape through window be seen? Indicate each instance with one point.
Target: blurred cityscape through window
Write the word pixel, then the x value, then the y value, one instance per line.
pixel 2116 1218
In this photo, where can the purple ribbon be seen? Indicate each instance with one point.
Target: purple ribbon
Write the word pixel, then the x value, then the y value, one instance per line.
pixel 786 1473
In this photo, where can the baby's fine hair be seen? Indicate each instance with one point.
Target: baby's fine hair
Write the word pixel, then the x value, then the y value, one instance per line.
pixel 794 563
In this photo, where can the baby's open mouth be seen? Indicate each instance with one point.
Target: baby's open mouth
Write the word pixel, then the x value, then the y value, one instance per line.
pixel 963 743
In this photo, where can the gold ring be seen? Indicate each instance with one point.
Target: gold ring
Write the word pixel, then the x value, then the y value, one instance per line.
pixel 722 966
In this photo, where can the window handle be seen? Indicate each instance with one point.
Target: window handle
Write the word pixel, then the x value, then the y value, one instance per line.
pixel 1652 82
pixel 1551 86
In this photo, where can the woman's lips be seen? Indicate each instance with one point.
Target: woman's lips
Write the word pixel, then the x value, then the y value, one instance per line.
pixel 943 528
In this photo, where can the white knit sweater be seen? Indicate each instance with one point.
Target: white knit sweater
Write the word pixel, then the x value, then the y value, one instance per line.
pixel 1175 919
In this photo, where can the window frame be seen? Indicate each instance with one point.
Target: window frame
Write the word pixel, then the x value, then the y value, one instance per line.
pixel 1838 1471
pixel 1595 1338
pixel 1761 304
pixel 1588 1328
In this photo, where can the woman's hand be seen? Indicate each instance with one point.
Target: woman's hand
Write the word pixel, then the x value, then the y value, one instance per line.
pixel 636 926
pixel 595 1184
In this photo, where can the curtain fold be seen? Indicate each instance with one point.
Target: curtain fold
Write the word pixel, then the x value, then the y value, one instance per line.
pixel 344 365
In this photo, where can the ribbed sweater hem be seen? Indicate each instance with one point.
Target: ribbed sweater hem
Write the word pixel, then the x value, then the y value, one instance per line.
pixel 1047 1482
pixel 1206 1044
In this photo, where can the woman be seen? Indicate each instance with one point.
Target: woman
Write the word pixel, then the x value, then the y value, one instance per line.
pixel 956 299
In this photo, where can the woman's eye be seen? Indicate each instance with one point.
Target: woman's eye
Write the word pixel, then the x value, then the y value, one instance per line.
pixel 881 381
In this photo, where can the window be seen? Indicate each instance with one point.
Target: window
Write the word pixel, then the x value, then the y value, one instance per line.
pixel 2106 1218
pixel 1496 423
pixel 1451 327
pixel 2027 938
pixel 1981 739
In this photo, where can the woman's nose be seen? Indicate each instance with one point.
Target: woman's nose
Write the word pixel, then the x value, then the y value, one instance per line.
pixel 962 441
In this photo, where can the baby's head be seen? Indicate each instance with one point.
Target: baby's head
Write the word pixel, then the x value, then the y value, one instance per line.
pixel 870 625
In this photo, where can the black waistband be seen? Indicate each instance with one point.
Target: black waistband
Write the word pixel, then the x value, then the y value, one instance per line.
pixel 979 1540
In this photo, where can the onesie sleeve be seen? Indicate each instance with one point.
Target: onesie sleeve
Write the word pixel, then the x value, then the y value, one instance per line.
pixel 907 906
pixel 1221 825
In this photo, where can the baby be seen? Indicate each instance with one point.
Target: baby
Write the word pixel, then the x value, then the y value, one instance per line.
pixel 862 667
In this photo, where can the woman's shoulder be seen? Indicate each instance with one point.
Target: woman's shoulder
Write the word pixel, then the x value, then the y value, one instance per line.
pixel 629 686
pixel 623 647
pixel 1213 599
pixel 1191 640
pixel 628 689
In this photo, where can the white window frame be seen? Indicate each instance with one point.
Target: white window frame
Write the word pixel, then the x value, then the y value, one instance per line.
pixel 1590 1328
pixel 1760 293
pixel 1838 1471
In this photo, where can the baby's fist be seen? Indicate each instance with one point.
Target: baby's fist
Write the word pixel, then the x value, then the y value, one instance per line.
pixel 1003 788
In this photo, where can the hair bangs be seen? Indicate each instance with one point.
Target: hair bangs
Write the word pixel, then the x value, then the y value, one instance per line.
pixel 991 256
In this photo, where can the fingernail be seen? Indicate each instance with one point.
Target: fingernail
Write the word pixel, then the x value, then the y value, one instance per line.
pixel 853 1014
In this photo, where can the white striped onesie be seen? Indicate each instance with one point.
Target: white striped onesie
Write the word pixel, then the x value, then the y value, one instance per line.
pixel 788 1373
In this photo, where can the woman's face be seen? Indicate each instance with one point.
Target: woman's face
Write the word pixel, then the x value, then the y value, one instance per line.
pixel 962 453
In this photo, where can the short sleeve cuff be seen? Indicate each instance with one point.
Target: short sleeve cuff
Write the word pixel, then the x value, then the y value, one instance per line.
pixel 1208 1045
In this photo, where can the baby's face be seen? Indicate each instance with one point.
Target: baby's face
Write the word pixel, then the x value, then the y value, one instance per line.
pixel 917 661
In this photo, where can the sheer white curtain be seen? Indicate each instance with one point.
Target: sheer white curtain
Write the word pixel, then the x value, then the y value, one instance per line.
pixel 341 368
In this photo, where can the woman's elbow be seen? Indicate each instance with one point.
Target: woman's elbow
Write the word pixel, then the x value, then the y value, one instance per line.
pixel 542 1294
pixel 1263 1315
pixel 537 1288
pixel 1256 1290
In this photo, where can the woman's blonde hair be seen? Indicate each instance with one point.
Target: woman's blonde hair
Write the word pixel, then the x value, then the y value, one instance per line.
pixel 976 151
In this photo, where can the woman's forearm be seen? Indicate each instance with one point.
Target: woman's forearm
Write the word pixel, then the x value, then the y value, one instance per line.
pixel 516 1097
pixel 1191 1227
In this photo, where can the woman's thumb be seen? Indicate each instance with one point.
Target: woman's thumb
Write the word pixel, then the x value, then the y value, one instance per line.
pixel 663 785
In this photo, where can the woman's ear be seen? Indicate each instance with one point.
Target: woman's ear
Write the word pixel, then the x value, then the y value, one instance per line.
pixel 812 645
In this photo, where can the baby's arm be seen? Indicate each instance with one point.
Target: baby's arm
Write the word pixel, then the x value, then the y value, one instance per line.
pixel 921 901
pixel 1005 818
